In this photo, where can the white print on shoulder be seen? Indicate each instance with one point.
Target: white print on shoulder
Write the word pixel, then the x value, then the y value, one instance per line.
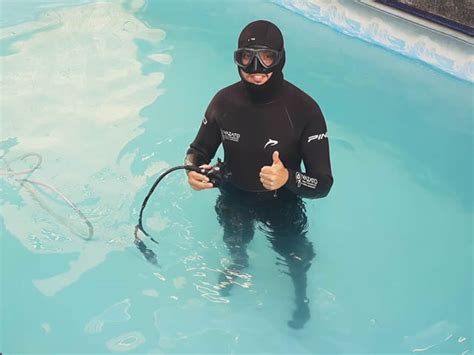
pixel 305 181
pixel 271 143
pixel 231 136
pixel 317 137
pixel 204 120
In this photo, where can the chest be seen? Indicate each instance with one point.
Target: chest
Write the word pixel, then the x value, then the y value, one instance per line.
pixel 256 129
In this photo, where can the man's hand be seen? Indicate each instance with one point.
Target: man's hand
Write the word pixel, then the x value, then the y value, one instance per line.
pixel 198 181
pixel 275 176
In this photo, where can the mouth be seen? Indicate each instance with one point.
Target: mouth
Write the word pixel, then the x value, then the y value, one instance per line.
pixel 258 77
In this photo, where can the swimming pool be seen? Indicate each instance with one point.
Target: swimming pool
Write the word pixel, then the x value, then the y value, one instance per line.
pixel 111 94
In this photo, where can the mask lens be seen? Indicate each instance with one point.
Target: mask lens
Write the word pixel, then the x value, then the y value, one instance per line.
pixel 267 58
pixel 243 57
pixel 246 57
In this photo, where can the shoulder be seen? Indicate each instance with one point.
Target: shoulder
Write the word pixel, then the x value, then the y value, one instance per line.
pixel 302 105
pixel 221 101
pixel 300 98
pixel 227 94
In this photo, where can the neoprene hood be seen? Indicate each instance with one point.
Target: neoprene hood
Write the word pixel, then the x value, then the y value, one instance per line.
pixel 263 33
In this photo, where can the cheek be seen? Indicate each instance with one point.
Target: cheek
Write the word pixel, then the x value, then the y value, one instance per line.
pixel 244 74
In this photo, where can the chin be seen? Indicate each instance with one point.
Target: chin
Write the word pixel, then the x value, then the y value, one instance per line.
pixel 260 83
pixel 248 77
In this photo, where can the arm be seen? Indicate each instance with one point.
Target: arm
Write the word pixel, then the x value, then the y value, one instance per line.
pixel 203 149
pixel 314 147
pixel 207 140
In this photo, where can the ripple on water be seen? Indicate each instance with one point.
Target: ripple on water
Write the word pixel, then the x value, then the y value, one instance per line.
pixel 118 312
pixel 431 337
pixel 126 342
pixel 151 293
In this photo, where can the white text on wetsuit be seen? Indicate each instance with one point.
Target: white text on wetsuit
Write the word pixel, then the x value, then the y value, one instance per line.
pixel 318 137
pixel 305 181
pixel 231 136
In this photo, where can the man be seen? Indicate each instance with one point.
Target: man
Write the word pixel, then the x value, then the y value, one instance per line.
pixel 267 127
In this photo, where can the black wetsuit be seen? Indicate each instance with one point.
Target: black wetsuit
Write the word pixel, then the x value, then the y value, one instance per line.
pixel 250 130
pixel 253 121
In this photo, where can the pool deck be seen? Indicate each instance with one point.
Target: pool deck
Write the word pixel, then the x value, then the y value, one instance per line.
pixel 415 20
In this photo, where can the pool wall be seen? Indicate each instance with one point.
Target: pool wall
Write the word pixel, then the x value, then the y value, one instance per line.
pixel 415 38
pixel 458 16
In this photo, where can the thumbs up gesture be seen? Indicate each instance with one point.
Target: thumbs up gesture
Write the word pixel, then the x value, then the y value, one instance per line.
pixel 275 176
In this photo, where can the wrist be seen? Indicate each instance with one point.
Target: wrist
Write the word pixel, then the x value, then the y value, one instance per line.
pixel 290 177
pixel 188 160
pixel 284 177
pixel 287 176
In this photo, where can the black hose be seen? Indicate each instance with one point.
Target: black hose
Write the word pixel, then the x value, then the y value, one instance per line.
pixel 145 201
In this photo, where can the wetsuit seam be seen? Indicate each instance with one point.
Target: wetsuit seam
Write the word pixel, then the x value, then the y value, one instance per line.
pixel 289 117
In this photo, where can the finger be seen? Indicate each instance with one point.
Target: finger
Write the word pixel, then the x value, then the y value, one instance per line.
pixel 266 170
pixel 267 182
pixel 200 185
pixel 193 175
pixel 207 185
pixel 276 158
pixel 204 168
pixel 198 181
pixel 268 186
pixel 268 177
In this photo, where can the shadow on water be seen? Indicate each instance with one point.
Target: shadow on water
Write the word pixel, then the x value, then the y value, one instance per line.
pixel 147 253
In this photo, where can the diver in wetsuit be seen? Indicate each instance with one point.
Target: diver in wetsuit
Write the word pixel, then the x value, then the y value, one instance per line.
pixel 267 127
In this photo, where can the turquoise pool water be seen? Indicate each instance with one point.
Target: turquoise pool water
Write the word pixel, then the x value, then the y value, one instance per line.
pixel 111 94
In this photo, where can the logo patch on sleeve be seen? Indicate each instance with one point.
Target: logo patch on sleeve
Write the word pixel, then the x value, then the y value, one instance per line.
pixel 317 137
pixel 303 180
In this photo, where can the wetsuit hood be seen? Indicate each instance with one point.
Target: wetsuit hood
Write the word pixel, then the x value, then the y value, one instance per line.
pixel 263 33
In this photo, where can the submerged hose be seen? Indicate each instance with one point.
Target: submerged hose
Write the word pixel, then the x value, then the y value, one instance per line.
pixel 62 196
pixel 23 172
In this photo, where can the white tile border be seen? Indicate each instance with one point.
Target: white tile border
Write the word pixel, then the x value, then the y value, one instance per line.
pixel 439 47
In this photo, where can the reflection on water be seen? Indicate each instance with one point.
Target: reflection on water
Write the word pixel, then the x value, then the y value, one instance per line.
pixel 433 337
pixel 78 72
pixel 126 342
pixel 113 314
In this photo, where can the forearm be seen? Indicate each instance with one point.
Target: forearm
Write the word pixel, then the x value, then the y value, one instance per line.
pixel 309 185
pixel 195 157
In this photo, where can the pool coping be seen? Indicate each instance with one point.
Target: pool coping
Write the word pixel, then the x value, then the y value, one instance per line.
pixel 418 21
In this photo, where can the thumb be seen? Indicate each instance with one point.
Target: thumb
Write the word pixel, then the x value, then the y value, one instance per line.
pixel 276 157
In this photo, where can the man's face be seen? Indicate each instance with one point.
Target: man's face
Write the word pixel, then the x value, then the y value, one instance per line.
pixel 256 78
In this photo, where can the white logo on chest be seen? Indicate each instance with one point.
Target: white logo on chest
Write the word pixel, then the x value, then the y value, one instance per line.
pixel 270 143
